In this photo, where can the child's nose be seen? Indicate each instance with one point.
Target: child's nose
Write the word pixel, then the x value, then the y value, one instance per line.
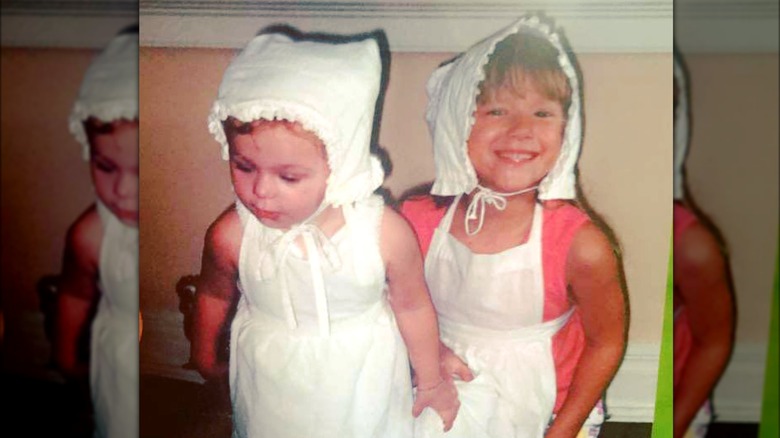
pixel 264 186
pixel 521 125
pixel 127 185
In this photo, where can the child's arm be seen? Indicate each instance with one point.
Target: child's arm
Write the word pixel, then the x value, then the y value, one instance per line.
pixel 593 277
pixel 451 364
pixel 416 317
pixel 216 291
pixel 702 282
pixel 77 291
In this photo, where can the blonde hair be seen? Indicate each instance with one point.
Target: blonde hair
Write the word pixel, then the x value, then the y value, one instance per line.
pixel 520 56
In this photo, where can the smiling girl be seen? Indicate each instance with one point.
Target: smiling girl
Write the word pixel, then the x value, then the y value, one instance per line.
pixel 527 288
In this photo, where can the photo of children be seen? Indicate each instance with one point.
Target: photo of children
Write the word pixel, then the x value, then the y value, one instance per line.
pixel 581 373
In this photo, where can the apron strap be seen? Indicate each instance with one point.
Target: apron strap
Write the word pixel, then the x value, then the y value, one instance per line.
pixel 446 222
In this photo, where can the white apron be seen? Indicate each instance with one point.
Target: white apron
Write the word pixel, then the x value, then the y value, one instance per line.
pixel 113 365
pixel 490 309
pixel 293 375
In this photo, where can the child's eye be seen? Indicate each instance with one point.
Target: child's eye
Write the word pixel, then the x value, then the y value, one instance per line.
pixel 495 112
pixel 104 167
pixel 243 167
pixel 543 114
pixel 290 178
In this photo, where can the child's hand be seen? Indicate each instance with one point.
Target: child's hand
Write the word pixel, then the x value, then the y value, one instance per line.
pixel 72 370
pixel 213 371
pixel 452 365
pixel 442 398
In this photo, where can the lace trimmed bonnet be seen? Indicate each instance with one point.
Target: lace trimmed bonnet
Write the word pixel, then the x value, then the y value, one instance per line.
pixel 109 90
pixel 452 94
pixel 331 89
pixel 681 122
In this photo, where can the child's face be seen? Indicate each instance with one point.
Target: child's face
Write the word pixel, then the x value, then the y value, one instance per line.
pixel 279 171
pixel 114 166
pixel 515 139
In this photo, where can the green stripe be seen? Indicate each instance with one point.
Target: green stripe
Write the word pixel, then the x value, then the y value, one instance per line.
pixel 769 422
pixel 664 397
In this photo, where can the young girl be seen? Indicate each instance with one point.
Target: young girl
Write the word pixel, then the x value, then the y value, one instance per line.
pixel 101 253
pixel 704 309
pixel 527 288
pixel 329 281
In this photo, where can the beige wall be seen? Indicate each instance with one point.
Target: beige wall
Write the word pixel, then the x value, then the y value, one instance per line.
pixel 45 183
pixel 45 186
pixel 732 171
pixel 626 162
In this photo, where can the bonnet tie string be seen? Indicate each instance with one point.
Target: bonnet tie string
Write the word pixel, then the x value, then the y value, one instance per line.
pixel 483 197
pixel 319 249
pixel 128 253
pixel 126 249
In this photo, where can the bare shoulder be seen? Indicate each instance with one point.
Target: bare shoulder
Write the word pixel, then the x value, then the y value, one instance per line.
pixel 698 251
pixel 590 248
pixel 84 238
pixel 397 239
pixel 223 238
pixel 593 276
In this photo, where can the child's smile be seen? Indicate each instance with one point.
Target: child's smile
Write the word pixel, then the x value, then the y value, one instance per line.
pixel 515 139
pixel 516 155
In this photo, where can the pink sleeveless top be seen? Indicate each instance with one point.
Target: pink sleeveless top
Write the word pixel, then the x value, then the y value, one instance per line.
pixel 683 219
pixel 559 225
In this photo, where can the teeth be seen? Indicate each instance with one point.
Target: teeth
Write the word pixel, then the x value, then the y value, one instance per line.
pixel 516 156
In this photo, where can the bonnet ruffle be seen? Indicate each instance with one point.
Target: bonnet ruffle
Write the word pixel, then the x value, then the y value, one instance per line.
pixel 109 90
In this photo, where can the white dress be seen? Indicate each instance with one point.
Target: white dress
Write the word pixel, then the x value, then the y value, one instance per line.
pixel 304 364
pixel 113 366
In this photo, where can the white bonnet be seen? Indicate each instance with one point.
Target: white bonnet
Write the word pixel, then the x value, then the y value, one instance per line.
pixel 329 88
pixel 681 128
pixel 109 90
pixel 452 93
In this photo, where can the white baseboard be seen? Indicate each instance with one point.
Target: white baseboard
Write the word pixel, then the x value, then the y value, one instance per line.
pixel 737 398
pixel 164 347
pixel 631 395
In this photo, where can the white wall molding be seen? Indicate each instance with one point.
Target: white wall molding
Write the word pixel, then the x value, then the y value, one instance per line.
pixel 726 26
pixel 592 26
pixel 164 347
pixel 64 23
pixel 631 395
pixel 422 26
pixel 737 398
